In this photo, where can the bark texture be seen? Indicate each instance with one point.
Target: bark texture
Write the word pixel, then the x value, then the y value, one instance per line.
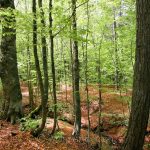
pixel 141 88
pixel 53 64
pixel 45 69
pixel 43 85
pixel 12 106
pixel 77 124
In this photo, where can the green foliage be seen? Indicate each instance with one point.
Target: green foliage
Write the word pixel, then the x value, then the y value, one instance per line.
pixel 27 124
pixel 59 135
pixel 126 99
pixel 116 119
pixel 60 107
pixel 119 123
pixel 100 36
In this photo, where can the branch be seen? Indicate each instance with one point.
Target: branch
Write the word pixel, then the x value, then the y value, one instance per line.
pixel 69 18
pixel 82 4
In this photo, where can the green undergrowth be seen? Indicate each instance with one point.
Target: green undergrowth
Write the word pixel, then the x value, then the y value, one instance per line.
pixel 126 99
pixel 116 119
pixel 28 124
pixel 147 146
pixel 59 135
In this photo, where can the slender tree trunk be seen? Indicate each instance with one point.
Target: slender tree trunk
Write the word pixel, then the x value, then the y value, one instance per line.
pixel 43 92
pixel 9 73
pixel 29 75
pixel 45 69
pixel 43 86
pixel 36 58
pixel 72 74
pixel 117 80
pixel 100 95
pixel 77 123
pixel 86 75
pixel 65 72
pixel 65 75
pixel 53 65
pixel 141 88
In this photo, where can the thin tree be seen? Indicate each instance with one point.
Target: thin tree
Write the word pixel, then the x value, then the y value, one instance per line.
pixel 64 67
pixel 52 64
pixel 35 53
pixel 29 74
pixel 77 123
pixel 100 93
pixel 45 68
pixel 9 71
pixel 71 68
pixel 86 73
pixel 43 86
pixel 117 80
pixel 141 88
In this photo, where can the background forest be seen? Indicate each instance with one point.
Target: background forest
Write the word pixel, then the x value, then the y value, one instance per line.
pixel 105 26
pixel 75 62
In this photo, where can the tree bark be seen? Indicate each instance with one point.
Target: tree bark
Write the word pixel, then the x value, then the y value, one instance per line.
pixel 141 88
pixel 77 123
pixel 43 86
pixel 29 74
pixel 9 73
pixel 45 68
pixel 53 65
pixel 36 58
pixel 117 80
pixel 86 73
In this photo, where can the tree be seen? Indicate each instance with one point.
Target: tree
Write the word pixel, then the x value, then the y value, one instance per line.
pixel 29 74
pixel 117 82
pixel 9 75
pixel 141 87
pixel 52 64
pixel 77 123
pixel 43 86
pixel 86 73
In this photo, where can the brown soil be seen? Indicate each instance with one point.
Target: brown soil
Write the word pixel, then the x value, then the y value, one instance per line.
pixel 114 111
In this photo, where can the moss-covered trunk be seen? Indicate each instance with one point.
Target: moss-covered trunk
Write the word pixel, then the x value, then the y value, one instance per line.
pixel 77 123
pixel 9 75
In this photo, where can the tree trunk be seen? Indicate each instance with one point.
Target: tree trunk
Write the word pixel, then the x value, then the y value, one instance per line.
pixel 36 58
pixel 29 77
pixel 86 74
pixel 100 94
pixel 53 65
pixel 29 74
pixel 77 123
pixel 141 87
pixel 43 86
pixel 45 69
pixel 117 80
pixel 9 74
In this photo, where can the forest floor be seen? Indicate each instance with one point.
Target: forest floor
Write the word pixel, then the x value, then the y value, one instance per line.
pixel 114 120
